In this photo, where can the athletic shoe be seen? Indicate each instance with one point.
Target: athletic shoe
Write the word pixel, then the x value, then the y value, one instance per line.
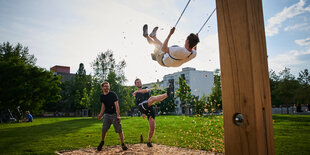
pixel 99 148
pixel 145 30
pixel 124 147
pixel 153 34
pixel 153 56
pixel 149 144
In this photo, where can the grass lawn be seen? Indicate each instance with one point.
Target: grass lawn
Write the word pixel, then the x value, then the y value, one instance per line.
pixel 292 134
pixel 47 135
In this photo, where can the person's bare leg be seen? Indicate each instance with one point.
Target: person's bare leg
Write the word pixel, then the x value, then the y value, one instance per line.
pixel 158 98
pixel 150 40
pixel 103 136
pixel 156 40
pixel 121 137
pixel 152 128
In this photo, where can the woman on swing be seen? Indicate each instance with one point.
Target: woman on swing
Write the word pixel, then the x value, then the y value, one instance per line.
pixel 173 56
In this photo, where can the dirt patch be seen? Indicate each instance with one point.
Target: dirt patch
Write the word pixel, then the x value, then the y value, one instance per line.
pixel 138 149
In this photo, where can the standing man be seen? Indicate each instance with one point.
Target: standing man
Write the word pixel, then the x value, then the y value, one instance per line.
pixel 111 110
pixel 145 105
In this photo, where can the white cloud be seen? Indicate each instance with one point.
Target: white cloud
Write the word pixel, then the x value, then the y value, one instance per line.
pixel 303 42
pixel 294 59
pixel 275 22
pixel 300 27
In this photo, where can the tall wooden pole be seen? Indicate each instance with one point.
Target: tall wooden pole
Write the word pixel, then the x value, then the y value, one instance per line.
pixel 245 79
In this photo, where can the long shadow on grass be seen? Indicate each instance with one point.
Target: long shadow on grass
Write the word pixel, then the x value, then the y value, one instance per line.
pixel 12 139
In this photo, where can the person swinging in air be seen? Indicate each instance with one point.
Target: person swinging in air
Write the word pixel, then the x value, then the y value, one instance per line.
pixel 173 56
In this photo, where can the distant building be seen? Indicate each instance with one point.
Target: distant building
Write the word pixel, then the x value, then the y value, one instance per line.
pixel 63 71
pixel 200 82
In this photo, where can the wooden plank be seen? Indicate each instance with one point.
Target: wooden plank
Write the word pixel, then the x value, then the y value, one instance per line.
pixel 245 78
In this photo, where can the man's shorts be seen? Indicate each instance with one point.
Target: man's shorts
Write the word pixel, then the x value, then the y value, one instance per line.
pixel 145 109
pixel 159 54
pixel 109 119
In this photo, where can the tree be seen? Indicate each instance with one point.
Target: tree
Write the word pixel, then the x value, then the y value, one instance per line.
pixel 106 69
pixel 81 82
pixel 216 94
pixel 199 105
pixel 287 88
pixel 303 91
pixel 274 84
pixel 26 85
pixel 184 93
pixel 94 94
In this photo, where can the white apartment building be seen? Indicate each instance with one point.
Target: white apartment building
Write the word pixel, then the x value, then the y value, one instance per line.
pixel 200 82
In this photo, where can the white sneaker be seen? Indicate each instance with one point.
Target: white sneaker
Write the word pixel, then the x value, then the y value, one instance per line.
pixel 145 30
pixel 153 34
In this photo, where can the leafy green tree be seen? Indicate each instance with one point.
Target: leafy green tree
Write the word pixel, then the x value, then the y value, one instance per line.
pixel 302 93
pixel 94 99
pixel 81 82
pixel 274 84
pixel 287 88
pixel 216 94
pixel 106 69
pixel 199 105
pixel 26 85
pixel 184 93
pixel 85 102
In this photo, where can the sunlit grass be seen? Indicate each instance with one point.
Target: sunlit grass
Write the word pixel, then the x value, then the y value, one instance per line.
pixel 47 135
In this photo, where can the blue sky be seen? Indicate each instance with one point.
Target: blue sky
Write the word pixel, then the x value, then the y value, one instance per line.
pixel 74 31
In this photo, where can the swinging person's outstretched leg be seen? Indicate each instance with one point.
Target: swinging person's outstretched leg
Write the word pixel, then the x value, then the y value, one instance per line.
pixel 145 34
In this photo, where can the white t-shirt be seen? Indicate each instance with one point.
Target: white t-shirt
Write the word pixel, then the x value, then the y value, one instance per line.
pixel 180 53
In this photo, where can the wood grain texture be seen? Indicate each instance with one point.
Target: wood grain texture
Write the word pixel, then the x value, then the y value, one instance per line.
pixel 245 78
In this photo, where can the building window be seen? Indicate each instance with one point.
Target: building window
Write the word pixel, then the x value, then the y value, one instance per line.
pixel 183 76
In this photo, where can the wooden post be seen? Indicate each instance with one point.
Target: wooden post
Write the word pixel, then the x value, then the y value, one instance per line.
pixel 245 78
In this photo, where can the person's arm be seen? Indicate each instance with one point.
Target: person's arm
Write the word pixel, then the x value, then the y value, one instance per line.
pixel 165 47
pixel 101 111
pixel 117 111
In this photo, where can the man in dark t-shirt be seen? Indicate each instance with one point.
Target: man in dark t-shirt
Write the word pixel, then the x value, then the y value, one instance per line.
pixel 110 108
pixel 145 105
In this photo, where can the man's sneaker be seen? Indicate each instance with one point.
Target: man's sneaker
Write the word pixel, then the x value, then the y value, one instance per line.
pixel 99 148
pixel 153 56
pixel 124 147
pixel 149 144
pixel 145 30
pixel 153 34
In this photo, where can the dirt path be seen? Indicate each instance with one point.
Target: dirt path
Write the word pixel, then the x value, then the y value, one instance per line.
pixel 138 149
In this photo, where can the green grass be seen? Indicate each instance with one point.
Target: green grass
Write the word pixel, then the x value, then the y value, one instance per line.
pixel 47 135
pixel 292 134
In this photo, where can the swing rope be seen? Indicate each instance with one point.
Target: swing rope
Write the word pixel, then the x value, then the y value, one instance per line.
pixel 182 13
pixel 206 20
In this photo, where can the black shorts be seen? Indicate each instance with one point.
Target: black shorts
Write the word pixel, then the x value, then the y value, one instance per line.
pixel 145 109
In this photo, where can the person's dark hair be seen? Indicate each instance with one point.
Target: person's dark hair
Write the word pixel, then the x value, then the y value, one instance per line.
pixel 105 82
pixel 136 80
pixel 193 40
